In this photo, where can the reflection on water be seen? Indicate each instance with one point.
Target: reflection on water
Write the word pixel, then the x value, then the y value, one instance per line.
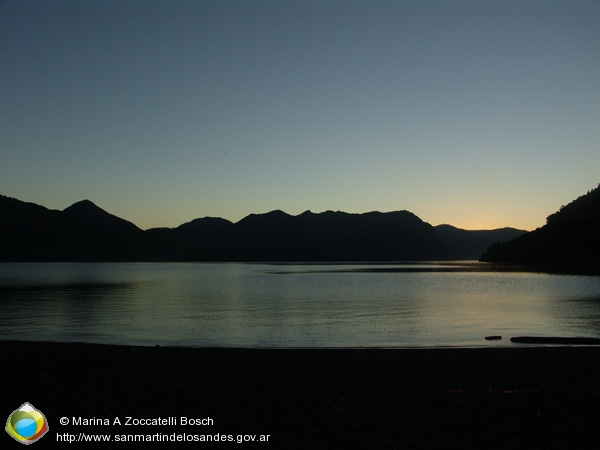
pixel 417 304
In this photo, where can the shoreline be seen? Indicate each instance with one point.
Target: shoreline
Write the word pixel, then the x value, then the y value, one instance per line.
pixel 515 397
pixel 487 342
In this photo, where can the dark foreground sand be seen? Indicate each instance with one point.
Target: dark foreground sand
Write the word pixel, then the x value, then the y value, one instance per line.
pixel 547 398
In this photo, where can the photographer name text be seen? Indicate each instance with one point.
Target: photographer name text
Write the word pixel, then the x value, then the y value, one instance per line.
pixel 136 421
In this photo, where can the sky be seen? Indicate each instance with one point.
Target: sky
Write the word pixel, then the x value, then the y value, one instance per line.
pixel 480 114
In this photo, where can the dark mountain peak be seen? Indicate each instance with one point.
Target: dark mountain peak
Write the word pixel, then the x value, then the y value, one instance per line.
pixel 87 212
pixel 84 203
pixel 209 219
pixel 84 206
pixel 372 214
pixel 570 237
pixel 82 232
pixel 397 218
pixel 446 226
pixel 332 213
pixel 406 214
pixel 204 224
pixel 276 215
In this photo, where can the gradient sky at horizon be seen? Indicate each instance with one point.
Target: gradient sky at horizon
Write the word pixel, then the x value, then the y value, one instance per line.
pixel 481 114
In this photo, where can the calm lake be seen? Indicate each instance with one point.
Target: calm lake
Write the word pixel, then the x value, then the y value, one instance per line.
pixel 291 305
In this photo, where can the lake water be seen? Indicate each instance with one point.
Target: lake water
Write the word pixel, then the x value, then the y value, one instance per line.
pixel 291 305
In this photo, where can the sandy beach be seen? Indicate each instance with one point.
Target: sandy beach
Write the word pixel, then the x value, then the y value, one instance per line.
pixel 504 398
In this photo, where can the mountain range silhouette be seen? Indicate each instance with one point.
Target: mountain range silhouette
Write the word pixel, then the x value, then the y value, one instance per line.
pixel 85 232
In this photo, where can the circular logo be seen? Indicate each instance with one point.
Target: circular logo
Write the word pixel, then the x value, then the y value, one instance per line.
pixel 27 424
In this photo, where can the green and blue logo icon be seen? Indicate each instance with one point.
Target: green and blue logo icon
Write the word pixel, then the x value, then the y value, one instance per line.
pixel 27 424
